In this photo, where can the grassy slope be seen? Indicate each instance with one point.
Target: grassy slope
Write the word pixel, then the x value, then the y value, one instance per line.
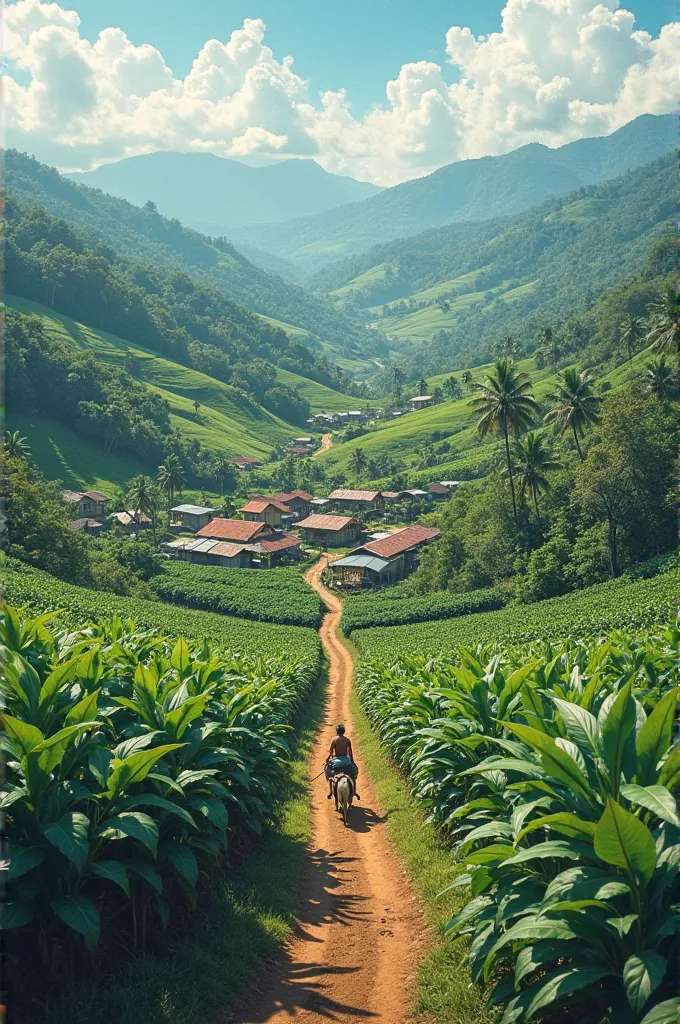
pixel 227 421
pixel 320 397
pixel 241 921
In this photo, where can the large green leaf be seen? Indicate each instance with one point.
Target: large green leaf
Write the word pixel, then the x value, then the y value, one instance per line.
pixel 532 928
pixel 132 824
pixel 147 872
pixel 180 657
pixel 622 839
pixel 663 1013
pixel 16 913
pixel 80 914
pixel 176 722
pixel 135 768
pixel 25 737
pixel 656 799
pixel 558 848
pixel 555 761
pixel 654 738
pixel 617 729
pixel 153 800
pixel 70 835
pixel 642 974
pixel 23 859
pixel 562 982
pixel 183 860
pixel 565 823
pixel 112 871
pixel 582 727
pixel 85 710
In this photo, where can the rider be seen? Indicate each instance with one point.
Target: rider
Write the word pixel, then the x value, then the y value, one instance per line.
pixel 341 758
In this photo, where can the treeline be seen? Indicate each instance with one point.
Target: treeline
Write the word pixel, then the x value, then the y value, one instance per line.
pixel 142 234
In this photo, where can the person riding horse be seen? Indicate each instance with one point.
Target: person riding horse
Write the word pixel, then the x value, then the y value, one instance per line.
pixel 340 760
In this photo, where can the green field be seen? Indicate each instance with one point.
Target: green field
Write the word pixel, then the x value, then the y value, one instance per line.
pixel 364 282
pixel 227 422
pixel 444 289
pixel 290 329
pixel 320 397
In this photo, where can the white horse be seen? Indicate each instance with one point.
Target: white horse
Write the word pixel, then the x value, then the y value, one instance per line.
pixel 344 793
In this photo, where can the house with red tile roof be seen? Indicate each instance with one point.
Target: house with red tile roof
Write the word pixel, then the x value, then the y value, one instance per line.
pixel 297 502
pixel 265 510
pixel 328 531
pixel 236 530
pixel 384 561
pixel 242 462
pixel 356 500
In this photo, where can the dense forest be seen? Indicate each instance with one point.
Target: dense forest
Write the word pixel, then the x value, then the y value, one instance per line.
pixel 143 234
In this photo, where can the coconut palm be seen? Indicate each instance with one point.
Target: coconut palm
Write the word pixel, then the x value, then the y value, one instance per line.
pixel 15 445
pixel 663 323
pixel 142 498
pixel 575 404
pixel 422 386
pixel 506 405
pixel 532 460
pixel 357 462
pixel 631 331
pixel 657 379
pixel 171 478
pixel 452 387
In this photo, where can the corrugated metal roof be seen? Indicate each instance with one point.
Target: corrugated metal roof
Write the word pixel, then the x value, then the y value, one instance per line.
pixel 401 540
pixel 348 495
pixel 233 529
pixel 321 522
pixel 363 562
pixel 194 510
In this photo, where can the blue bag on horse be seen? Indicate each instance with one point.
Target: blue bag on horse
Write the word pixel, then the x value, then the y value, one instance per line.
pixel 341 766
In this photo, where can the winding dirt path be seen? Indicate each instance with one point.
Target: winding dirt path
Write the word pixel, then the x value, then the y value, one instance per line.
pixel 326 443
pixel 360 927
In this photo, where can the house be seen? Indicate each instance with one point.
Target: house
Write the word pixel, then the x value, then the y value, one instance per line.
pixel 131 522
pixel 236 531
pixel 421 402
pixel 383 561
pixel 415 494
pixel 320 505
pixel 321 419
pixel 391 496
pixel 451 484
pixel 191 517
pixel 264 510
pixel 87 504
pixel 243 463
pixel 303 442
pixel 209 551
pixel 299 451
pixel 328 531
pixel 439 491
pixel 281 547
pixel 356 500
pixel 298 502
pixel 92 526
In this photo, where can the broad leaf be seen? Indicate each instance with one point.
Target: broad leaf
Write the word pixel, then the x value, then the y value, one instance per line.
pixel 80 914
pixel 565 823
pixel 642 974
pixel 654 738
pixel 112 871
pixel 656 799
pixel 561 983
pixel 16 914
pixel 147 872
pixel 23 859
pixel 622 839
pixel 618 727
pixel 132 824
pixel 663 1013
pixel 25 737
pixel 553 848
pixel 70 835
pixel 183 860
pixel 555 761
pixel 136 767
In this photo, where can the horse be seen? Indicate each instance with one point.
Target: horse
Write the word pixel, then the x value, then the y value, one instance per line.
pixel 343 788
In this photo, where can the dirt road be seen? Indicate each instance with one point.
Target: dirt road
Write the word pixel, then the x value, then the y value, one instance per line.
pixel 326 442
pixel 360 926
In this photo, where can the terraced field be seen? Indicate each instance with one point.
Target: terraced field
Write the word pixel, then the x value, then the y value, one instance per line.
pixel 320 397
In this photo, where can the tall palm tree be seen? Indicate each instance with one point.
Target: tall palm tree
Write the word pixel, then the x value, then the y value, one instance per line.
pixel 657 379
pixel 357 462
pixel 533 459
pixel 575 404
pixel 142 498
pixel 452 387
pixel 631 330
pixel 171 478
pixel 422 386
pixel 664 323
pixel 15 445
pixel 505 404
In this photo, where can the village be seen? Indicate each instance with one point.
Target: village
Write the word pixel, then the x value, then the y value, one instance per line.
pixel 270 530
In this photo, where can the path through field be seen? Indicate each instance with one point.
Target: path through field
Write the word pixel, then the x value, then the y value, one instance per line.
pixel 326 443
pixel 360 927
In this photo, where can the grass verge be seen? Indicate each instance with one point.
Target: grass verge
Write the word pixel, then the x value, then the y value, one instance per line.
pixel 443 993
pixel 240 922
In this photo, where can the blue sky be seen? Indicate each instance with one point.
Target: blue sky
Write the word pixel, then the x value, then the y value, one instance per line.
pixel 355 44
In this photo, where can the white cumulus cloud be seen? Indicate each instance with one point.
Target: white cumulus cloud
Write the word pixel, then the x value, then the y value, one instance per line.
pixel 557 70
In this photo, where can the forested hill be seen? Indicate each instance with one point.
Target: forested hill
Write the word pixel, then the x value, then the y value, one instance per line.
pixel 489 187
pixel 143 234
pixel 465 285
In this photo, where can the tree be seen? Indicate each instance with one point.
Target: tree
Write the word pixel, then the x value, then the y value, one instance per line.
pixel 143 500
pixel 197 406
pixel 452 387
pixel 288 472
pixel 533 459
pixel 631 330
pixel 467 380
pixel 505 404
pixel 171 478
pixel 657 379
pixel 548 346
pixel 437 395
pixel 398 378
pixel 576 406
pixel 422 386
pixel 16 446
pixel 664 323
pixel 357 463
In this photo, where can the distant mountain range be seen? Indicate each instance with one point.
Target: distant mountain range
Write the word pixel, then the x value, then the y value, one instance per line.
pixel 213 195
pixel 470 190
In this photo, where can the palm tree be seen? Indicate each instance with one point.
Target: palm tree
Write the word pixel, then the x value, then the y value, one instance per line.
pixel 631 330
pixel 398 378
pixel 142 497
pixel 663 323
pixel 422 386
pixel 576 405
pixel 197 406
pixel 171 478
pixel 658 380
pixel 357 462
pixel 467 380
pixel 452 387
pixel 532 460
pixel 548 346
pixel 16 446
pixel 506 404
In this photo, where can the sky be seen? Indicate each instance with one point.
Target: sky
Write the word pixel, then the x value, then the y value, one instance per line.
pixel 383 90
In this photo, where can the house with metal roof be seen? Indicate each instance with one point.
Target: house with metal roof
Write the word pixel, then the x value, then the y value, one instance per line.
pixel 191 517
pixel 383 561
pixel 236 531
pixel 87 504
pixel 356 500
pixel 298 502
pixel 421 402
pixel 328 531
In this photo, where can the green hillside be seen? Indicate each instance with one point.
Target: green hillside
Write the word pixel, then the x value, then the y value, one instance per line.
pixel 227 421
pixel 321 398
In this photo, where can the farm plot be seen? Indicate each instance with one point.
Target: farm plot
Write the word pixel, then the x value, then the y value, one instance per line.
pixel 386 609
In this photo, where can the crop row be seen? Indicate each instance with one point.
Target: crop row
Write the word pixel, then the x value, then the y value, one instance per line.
pixel 552 776
pixel 23 585
pixel 276 595
pixel 593 612
pixel 132 765
pixel 372 610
